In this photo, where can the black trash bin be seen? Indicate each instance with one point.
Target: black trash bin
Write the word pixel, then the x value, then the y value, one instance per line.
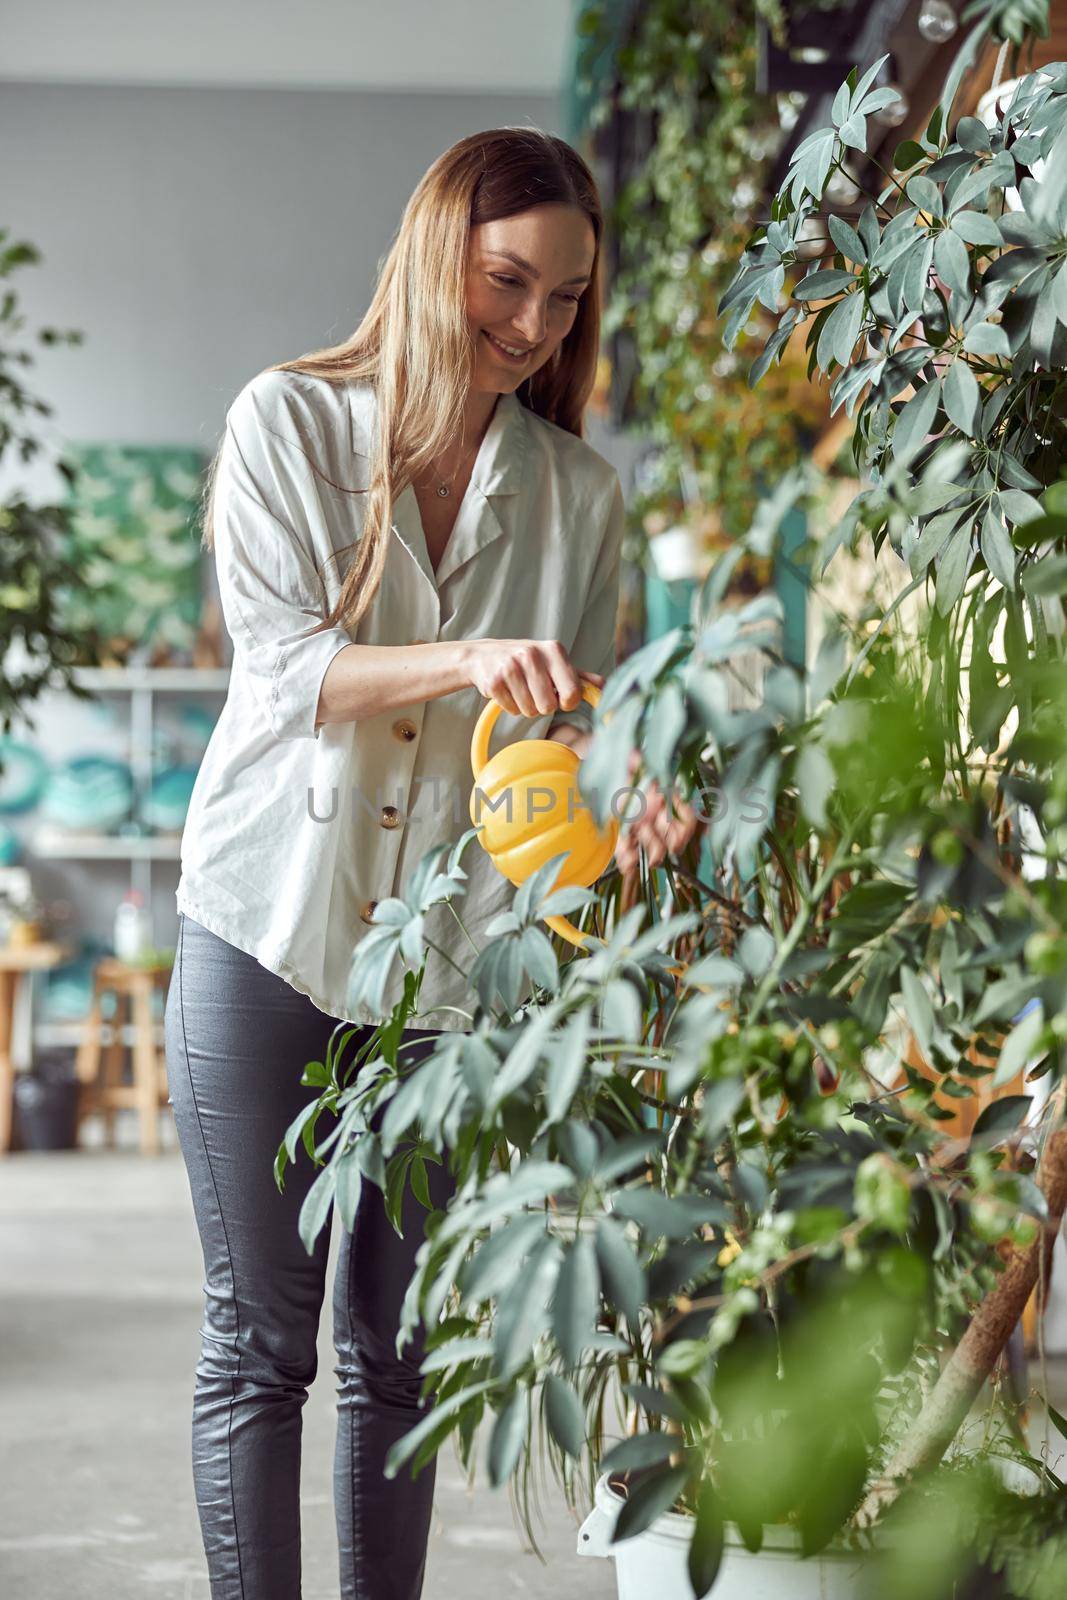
pixel 46 1103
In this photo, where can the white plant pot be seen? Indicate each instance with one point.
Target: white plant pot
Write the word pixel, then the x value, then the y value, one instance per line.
pixel 653 1563
pixel 675 554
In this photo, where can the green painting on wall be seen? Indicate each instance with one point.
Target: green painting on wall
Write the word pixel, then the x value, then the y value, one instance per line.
pixel 135 539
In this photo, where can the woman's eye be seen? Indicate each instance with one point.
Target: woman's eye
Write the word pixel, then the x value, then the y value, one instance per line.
pixel 500 277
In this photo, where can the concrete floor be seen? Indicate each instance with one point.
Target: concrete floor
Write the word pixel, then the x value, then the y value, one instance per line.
pixel 97 1498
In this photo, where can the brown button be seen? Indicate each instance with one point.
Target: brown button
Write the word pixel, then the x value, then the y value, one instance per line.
pixel 390 817
pixel 405 729
pixel 367 911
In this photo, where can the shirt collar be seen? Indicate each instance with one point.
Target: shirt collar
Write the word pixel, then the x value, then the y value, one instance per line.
pixel 498 466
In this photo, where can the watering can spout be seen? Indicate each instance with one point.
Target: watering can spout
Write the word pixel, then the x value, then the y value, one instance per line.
pixel 537 778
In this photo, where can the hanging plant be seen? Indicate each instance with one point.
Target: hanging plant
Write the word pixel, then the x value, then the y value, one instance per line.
pixel 688 71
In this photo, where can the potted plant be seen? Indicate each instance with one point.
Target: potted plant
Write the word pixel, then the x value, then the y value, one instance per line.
pixel 716 1168
pixel 679 1167
pixel 702 1179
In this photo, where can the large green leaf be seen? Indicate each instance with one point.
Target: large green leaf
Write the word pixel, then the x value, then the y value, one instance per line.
pixel 934 535
pixel 506 1440
pixel 641 1450
pixel 668 1216
pixel 564 1415
pixel 577 1298
pixel 1019 1046
pixel 847 240
pixel 349 1183
pixel 997 548
pixel 952 261
pixel 708 1541
pixel 524 1314
pixel 432 1423
pixel 915 420
pixel 960 397
pixel 648 1500
pixel 952 573
pixel 500 1260
pixel 1001 1117
pixel 919 1009
pixel 841 330
pixel 621 1270
pixel 506 1193
pixel 567 1063
pixel 316 1207
pixel 987 339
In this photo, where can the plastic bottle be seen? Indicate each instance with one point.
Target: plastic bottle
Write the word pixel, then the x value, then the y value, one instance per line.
pixel 133 935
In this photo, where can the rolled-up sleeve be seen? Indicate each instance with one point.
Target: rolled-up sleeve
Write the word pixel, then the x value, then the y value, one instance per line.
pixel 594 644
pixel 272 596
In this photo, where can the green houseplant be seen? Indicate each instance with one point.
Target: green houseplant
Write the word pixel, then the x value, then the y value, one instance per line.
pixel 35 565
pixel 637 1216
pixel 702 143
pixel 696 1168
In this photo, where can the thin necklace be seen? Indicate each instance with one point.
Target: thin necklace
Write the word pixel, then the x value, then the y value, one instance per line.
pixel 445 487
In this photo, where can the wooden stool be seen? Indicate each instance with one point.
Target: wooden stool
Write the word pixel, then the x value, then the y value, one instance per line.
pixel 99 1066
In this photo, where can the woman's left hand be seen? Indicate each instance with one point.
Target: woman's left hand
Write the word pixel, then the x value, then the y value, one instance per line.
pixel 655 830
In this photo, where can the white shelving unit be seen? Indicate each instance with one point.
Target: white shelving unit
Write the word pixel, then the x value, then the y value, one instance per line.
pixel 126 680
pixel 59 843
pixel 141 684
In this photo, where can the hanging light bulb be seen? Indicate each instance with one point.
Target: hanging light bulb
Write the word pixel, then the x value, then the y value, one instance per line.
pixel 811 240
pixel 892 115
pixel 789 109
pixel 937 21
pixel 897 111
pixel 842 188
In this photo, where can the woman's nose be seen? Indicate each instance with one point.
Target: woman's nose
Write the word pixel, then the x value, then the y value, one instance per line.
pixel 533 324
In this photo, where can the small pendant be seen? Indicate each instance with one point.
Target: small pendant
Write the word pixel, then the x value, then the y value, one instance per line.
pixel 443 490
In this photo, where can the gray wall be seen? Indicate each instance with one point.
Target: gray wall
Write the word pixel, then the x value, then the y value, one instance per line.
pixel 198 235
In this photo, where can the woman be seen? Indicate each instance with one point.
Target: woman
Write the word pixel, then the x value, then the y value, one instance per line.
pixel 452 419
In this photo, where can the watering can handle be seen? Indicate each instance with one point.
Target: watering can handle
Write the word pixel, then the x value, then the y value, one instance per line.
pixel 483 730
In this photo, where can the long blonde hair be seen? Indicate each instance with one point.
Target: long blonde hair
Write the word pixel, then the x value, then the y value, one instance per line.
pixel 414 343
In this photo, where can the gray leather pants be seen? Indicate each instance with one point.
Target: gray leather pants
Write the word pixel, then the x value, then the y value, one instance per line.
pixel 237 1040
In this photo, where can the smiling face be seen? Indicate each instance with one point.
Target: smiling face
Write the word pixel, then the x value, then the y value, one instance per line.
pixel 525 277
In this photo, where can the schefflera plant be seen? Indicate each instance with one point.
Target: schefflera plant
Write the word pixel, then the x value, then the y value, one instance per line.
pixel 692 1150
pixel 941 322
pixel 691 1170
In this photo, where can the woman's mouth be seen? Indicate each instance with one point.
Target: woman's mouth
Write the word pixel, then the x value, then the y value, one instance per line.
pixel 506 353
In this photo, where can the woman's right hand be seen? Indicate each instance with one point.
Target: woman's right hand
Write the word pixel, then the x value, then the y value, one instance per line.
pixel 527 677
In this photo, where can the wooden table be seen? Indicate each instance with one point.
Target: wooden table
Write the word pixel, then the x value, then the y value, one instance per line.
pixel 16 960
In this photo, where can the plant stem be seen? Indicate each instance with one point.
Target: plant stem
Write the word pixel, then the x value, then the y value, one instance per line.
pixel 973 1359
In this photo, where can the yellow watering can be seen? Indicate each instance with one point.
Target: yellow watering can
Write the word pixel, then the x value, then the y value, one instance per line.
pixel 521 835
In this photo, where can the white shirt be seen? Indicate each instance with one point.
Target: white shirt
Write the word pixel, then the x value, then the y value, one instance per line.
pixel 534 553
